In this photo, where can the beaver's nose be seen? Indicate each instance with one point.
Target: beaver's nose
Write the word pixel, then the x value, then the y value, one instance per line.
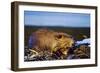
pixel 73 44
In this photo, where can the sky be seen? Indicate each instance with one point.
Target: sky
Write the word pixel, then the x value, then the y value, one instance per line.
pixel 65 19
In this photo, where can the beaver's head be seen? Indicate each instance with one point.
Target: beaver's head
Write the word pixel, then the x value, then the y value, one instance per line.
pixel 64 42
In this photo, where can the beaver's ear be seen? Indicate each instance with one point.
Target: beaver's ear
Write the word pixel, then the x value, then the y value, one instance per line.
pixel 58 36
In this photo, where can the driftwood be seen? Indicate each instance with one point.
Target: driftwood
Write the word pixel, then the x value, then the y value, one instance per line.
pixel 76 52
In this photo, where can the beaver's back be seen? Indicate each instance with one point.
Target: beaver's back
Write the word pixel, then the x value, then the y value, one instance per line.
pixel 43 38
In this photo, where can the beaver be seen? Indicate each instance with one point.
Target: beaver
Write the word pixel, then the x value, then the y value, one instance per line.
pixel 45 42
